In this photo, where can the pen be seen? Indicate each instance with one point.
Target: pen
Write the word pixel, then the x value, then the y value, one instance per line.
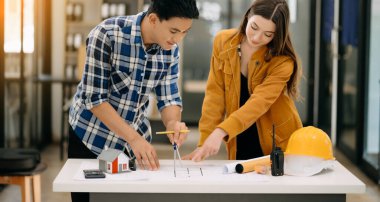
pixel 171 132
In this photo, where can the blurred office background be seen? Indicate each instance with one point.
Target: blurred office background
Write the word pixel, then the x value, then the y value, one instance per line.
pixel 337 40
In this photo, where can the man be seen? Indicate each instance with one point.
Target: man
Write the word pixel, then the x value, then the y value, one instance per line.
pixel 127 58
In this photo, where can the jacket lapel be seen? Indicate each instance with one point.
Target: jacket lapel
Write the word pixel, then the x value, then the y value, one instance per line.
pixel 234 60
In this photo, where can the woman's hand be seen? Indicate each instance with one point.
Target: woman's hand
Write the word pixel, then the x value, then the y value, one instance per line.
pixel 191 155
pixel 209 148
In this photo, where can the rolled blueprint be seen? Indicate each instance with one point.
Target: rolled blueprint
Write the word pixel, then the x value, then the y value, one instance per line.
pixel 231 167
pixel 250 165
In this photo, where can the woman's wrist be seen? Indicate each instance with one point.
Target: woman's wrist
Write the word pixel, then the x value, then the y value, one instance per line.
pixel 221 133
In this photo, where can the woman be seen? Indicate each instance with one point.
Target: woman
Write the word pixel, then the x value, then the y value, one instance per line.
pixel 253 78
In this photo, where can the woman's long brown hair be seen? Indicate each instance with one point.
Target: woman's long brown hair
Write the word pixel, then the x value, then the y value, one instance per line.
pixel 278 12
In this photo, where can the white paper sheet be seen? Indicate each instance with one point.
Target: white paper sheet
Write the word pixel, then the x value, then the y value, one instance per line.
pixel 166 172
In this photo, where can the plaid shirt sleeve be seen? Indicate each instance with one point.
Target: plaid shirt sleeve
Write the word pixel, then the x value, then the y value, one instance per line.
pixel 96 75
pixel 167 90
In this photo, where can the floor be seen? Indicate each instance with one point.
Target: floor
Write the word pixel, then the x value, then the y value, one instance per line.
pixel 50 156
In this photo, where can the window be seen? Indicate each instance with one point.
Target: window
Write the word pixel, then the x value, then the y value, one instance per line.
pixel 372 130
pixel 12 42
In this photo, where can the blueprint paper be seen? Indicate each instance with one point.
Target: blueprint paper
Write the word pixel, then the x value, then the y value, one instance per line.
pixel 166 172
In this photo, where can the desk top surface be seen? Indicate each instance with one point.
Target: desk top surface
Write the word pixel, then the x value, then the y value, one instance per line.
pixel 203 177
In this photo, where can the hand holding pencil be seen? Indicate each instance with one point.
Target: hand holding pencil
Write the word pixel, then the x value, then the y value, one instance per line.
pixel 176 132
pixel 171 132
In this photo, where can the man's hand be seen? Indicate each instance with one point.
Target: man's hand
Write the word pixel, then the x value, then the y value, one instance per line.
pixel 210 147
pixel 145 153
pixel 171 117
pixel 177 137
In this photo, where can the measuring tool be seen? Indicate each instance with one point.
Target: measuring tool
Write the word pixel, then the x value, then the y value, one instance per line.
pixel 176 154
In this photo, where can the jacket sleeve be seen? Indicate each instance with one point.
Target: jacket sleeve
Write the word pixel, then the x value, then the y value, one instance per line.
pixel 260 101
pixel 213 108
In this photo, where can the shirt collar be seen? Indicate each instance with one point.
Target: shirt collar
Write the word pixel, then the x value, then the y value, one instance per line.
pixel 135 29
pixel 135 32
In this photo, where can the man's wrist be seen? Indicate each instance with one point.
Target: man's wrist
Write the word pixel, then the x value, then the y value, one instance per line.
pixel 132 137
pixel 170 123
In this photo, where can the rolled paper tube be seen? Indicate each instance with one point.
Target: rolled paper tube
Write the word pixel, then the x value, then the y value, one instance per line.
pixel 260 169
pixel 249 166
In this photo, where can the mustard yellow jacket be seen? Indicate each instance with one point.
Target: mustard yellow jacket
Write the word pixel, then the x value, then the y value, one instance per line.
pixel 268 104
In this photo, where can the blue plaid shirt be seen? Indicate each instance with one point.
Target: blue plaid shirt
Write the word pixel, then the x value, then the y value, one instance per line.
pixel 120 70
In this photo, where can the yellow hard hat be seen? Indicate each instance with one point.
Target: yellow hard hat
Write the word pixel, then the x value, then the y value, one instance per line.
pixel 310 141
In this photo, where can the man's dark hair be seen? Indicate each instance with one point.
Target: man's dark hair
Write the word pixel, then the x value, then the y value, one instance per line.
pixel 166 9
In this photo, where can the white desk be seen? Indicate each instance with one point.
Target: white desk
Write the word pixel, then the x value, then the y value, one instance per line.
pixel 329 185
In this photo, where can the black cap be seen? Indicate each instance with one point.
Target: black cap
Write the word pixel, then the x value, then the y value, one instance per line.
pixel 239 168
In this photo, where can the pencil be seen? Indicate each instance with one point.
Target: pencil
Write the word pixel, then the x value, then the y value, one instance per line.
pixel 171 132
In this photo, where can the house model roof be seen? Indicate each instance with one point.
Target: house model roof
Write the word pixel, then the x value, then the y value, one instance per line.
pixel 109 154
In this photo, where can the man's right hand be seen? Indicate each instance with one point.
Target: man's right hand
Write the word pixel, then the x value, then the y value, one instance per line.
pixel 145 153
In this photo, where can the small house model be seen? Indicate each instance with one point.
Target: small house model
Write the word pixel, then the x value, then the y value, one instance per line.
pixel 113 161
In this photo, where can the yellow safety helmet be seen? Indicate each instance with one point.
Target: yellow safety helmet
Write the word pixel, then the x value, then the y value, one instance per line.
pixel 310 141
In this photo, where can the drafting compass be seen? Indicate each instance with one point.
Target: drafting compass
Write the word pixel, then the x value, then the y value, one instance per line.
pixel 176 155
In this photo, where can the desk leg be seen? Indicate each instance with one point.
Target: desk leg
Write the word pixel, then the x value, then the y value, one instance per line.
pixel 37 188
pixel 25 183
pixel 167 197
